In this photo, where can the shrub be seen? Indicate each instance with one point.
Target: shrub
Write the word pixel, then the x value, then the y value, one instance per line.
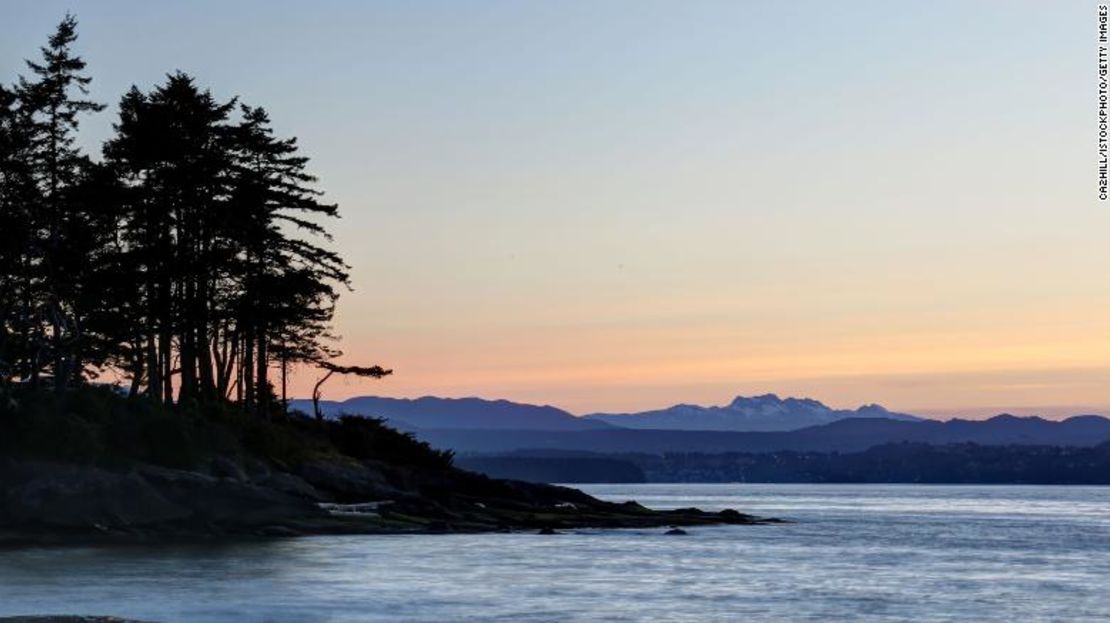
pixel 98 425
pixel 369 438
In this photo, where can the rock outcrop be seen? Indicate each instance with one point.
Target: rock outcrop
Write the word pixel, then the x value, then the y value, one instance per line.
pixel 41 496
pixel 42 500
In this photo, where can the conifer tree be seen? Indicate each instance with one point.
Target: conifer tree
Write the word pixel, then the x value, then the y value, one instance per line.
pixel 171 150
pixel 191 261
pixel 289 285
pixel 50 105
pixel 16 193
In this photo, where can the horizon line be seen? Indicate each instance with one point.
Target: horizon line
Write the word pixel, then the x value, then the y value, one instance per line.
pixel 1047 412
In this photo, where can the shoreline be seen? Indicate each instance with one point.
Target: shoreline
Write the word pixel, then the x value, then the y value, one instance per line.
pixel 18 539
pixel 50 503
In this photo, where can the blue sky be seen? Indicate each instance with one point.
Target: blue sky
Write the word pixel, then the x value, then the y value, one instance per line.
pixel 618 205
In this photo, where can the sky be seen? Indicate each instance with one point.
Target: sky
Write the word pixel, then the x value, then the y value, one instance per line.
pixel 616 205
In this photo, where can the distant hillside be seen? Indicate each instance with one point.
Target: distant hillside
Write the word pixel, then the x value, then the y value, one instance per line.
pixel 553 469
pixel 456 413
pixel 963 463
pixel 851 435
pixel 497 426
pixel 888 463
pixel 758 413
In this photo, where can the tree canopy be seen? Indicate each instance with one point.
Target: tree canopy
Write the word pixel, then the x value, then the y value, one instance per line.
pixel 189 261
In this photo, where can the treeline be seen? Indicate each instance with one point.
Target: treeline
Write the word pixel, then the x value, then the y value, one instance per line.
pixel 554 469
pixel 964 463
pixel 907 462
pixel 188 261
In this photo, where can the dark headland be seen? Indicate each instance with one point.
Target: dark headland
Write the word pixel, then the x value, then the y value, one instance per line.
pixel 92 465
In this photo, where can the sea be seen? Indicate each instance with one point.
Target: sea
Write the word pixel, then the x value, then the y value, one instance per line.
pixel 848 553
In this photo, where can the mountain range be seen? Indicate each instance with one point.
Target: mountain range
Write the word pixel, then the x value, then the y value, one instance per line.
pixel 757 424
pixel 758 413
pixel 471 414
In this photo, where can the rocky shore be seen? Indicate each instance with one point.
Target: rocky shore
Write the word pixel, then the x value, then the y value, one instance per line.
pixel 43 501
pixel 64 619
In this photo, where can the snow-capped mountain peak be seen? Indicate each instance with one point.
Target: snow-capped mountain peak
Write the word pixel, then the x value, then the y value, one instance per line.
pixel 767 412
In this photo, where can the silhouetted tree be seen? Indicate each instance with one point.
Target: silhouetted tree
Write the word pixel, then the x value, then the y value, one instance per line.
pixel 330 369
pixel 50 105
pixel 172 149
pixel 288 282
pixel 191 261
pixel 17 194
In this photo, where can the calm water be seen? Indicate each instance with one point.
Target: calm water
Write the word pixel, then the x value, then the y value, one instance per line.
pixel 871 552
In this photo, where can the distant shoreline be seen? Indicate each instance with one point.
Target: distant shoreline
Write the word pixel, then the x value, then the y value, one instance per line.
pixel 889 463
